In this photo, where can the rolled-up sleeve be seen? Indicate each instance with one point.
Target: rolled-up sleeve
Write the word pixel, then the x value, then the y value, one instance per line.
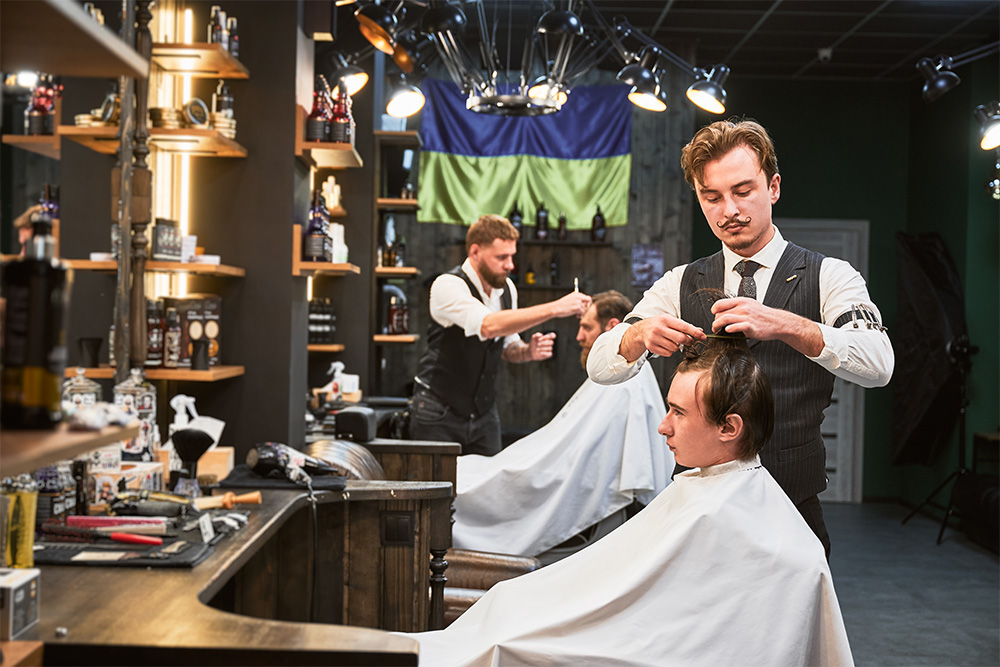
pixel 857 350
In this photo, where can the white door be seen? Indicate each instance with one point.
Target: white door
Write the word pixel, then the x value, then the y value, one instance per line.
pixel 844 419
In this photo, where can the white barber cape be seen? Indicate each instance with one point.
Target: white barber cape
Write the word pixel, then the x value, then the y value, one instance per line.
pixel 720 569
pixel 599 452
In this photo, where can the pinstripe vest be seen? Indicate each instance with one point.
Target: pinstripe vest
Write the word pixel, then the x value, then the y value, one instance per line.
pixel 795 455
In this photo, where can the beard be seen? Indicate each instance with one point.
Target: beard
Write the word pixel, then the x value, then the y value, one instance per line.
pixel 494 280
pixel 584 353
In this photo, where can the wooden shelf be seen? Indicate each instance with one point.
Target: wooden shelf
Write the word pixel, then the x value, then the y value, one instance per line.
pixel 323 154
pixel 397 271
pixel 43 144
pixel 396 204
pixel 189 141
pixel 557 243
pixel 59 37
pixel 213 374
pixel 338 212
pixel 221 270
pixel 405 138
pixel 24 451
pixel 396 338
pixel 200 61
pixel 300 268
pixel 326 347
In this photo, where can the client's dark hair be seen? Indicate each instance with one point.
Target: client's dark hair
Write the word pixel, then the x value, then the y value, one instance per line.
pixel 733 384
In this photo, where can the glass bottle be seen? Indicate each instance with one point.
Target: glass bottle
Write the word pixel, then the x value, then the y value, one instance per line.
pixel 172 339
pixel 154 333
pixel 554 270
pixel 222 100
pixel 234 38
pixel 137 397
pixel 37 289
pixel 213 23
pixel 22 494
pixel 341 122
pixel 35 115
pixel 516 218
pixel 314 239
pixel 562 234
pixel 317 124
pixel 529 275
pixel 541 223
pixel 80 390
pixel 598 230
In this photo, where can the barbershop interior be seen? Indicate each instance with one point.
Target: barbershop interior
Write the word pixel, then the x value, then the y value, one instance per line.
pixel 500 332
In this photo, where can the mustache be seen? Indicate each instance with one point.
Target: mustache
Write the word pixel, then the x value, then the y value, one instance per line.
pixel 722 223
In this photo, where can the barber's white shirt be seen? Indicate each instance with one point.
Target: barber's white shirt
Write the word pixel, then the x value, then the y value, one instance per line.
pixel 860 355
pixel 453 304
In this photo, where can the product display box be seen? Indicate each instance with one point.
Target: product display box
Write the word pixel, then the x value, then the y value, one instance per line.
pixel 135 476
pixel 19 591
pixel 200 318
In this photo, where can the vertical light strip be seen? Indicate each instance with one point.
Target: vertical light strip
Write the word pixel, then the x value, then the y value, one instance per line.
pixel 183 217
pixel 309 288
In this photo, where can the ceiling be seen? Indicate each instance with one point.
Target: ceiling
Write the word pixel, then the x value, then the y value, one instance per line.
pixel 868 40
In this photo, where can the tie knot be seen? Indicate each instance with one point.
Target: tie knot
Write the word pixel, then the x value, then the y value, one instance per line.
pixel 746 267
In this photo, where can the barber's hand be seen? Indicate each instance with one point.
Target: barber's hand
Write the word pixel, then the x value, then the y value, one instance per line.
pixel 22 220
pixel 760 322
pixel 660 334
pixel 540 346
pixel 574 304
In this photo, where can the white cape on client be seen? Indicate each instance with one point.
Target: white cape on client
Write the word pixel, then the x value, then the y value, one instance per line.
pixel 720 569
pixel 599 452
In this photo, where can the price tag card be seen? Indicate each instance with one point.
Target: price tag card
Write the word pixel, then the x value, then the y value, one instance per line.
pixel 207 529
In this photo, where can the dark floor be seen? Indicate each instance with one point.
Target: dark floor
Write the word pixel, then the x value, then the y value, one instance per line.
pixel 908 601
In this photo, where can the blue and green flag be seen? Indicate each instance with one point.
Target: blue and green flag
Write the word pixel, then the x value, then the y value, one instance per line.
pixel 571 161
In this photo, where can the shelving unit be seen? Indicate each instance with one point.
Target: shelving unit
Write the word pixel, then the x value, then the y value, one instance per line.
pixel 218 270
pixel 61 38
pixel 199 61
pixel 396 204
pixel 189 141
pixel 213 374
pixel 323 154
pixel 300 268
pixel 397 271
pixel 24 451
pixel 43 144
pixel 395 338
pixel 329 347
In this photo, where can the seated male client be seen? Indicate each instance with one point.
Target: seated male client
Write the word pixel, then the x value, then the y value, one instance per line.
pixel 597 455
pixel 720 569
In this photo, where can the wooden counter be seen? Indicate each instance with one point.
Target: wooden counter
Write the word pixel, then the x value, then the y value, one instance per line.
pixel 120 615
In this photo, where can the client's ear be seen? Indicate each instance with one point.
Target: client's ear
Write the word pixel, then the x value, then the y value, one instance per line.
pixel 612 323
pixel 731 429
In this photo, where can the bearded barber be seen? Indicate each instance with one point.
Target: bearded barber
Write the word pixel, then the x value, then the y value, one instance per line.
pixel 810 317
pixel 475 323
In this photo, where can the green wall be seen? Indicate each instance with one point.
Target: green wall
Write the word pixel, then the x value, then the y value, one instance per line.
pixel 874 151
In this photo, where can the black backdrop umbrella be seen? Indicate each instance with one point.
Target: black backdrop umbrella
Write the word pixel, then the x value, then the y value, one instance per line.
pixel 931 348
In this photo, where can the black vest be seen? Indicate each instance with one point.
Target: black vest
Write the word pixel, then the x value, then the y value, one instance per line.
pixel 462 370
pixel 795 455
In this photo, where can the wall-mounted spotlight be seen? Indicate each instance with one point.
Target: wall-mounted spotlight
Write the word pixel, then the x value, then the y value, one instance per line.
pixel 354 77
pixel 988 116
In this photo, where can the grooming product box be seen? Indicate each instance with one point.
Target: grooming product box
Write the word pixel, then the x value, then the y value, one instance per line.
pixel 19 592
pixel 133 475
pixel 200 317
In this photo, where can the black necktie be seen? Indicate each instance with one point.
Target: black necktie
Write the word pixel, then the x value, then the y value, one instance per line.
pixel 748 286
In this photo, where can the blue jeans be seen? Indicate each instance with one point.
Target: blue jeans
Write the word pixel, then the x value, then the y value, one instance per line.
pixel 432 419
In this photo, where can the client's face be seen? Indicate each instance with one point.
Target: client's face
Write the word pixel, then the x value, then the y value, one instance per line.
pixel 694 440
pixel 590 329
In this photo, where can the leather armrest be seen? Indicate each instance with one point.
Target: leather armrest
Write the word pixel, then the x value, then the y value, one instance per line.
pixel 480 569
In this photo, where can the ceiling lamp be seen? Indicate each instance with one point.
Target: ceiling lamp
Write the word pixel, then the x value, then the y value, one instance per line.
pixel 409 50
pixel 378 25
pixel 938 77
pixel 544 88
pixel 404 98
pixel 988 116
pixel 353 77
pixel 640 72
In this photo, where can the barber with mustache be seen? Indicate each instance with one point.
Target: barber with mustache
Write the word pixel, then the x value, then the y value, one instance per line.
pixel 810 317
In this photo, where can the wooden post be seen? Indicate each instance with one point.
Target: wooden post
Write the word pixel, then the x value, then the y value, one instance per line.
pixel 141 192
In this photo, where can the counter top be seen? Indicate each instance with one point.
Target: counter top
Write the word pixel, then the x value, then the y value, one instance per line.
pixel 121 615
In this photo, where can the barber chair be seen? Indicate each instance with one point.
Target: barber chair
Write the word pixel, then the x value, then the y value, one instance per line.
pixel 470 573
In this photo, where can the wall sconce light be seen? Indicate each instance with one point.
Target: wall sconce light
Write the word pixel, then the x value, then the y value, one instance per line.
pixel 988 116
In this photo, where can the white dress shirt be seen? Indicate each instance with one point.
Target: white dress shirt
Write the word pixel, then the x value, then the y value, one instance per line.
pixel 857 354
pixel 452 304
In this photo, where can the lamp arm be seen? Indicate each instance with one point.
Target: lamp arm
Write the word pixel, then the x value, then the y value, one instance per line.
pixel 623 53
pixel 663 52
pixel 975 54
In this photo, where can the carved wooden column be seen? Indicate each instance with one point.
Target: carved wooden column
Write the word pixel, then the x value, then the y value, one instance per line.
pixel 141 192
pixel 121 207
